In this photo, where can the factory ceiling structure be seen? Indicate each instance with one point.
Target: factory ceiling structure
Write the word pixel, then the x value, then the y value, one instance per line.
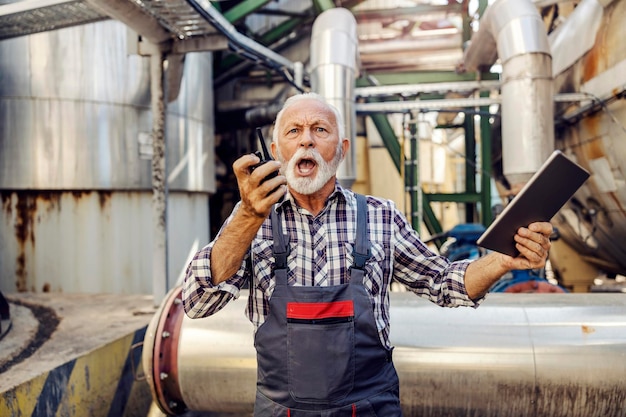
pixel 432 31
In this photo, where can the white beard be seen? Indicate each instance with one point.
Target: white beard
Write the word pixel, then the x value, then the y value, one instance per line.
pixel 310 185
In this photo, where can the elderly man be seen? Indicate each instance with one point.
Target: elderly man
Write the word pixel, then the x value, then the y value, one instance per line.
pixel 318 260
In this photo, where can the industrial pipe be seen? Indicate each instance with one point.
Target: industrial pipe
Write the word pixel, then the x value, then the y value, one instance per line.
pixel 514 31
pixel 334 56
pixel 541 355
pixel 244 45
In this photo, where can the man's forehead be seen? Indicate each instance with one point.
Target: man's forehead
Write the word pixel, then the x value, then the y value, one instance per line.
pixel 309 112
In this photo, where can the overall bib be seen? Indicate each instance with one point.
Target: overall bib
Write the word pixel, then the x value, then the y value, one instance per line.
pixel 318 351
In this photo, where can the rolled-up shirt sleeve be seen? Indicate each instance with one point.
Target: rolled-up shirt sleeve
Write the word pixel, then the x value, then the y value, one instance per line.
pixel 201 298
pixel 426 273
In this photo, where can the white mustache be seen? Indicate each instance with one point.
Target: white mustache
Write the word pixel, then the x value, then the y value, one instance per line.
pixel 307 153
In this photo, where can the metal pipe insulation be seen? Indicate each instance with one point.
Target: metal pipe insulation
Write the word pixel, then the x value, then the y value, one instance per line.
pixel 514 31
pixel 333 62
pixel 542 355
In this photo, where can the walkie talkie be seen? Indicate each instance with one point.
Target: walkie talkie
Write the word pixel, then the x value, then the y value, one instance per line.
pixel 264 157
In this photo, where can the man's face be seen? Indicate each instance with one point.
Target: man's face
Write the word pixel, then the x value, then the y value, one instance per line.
pixel 309 146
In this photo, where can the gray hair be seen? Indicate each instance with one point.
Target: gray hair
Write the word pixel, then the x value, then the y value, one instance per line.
pixel 341 130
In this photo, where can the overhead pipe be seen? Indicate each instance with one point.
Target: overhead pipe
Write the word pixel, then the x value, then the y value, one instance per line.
pixel 553 355
pixel 244 45
pixel 514 31
pixel 334 58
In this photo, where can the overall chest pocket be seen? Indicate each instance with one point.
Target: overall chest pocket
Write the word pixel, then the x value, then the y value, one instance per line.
pixel 320 340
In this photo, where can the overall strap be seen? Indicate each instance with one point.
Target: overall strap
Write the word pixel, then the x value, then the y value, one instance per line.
pixel 362 245
pixel 280 249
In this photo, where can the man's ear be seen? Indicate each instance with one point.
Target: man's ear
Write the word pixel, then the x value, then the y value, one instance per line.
pixel 273 149
pixel 345 145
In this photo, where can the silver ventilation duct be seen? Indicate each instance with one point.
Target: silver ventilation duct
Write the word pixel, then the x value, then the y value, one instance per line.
pixel 513 31
pixel 334 54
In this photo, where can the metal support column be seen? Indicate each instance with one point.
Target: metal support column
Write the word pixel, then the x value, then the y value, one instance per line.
pixel 470 165
pixel 158 89
pixel 486 162
pixel 413 177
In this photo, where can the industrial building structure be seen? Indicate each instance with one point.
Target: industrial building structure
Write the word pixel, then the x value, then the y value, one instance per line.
pixel 119 120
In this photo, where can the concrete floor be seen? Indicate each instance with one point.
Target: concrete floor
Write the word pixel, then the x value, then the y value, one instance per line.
pixel 50 330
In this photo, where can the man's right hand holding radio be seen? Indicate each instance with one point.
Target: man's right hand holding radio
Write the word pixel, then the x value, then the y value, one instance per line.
pixel 261 185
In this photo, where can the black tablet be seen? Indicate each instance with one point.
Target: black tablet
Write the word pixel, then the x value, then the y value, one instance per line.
pixel 539 200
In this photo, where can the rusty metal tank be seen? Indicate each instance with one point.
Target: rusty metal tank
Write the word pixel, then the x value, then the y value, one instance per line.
pixel 589 56
pixel 75 162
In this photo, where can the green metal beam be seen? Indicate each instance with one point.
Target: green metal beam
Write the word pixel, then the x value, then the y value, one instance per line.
pixel 455 197
pixel 470 164
pixel 281 30
pixel 412 174
pixel 389 138
pixel 429 218
pixel 486 164
pixel 267 38
pixel 243 9
pixel 323 5
pixel 385 130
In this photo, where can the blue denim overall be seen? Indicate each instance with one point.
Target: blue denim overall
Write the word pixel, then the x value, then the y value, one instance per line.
pixel 318 351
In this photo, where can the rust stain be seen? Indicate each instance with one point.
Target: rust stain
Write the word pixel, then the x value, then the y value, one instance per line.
pixel 618 203
pixel 25 208
pixel 22 206
pixel 596 59
pixel 594 148
pixel 79 194
pixel 105 198
pixel 591 62
pixel 587 329
pixel 20 271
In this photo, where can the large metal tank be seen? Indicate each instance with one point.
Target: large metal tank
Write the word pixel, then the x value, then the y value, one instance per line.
pixel 75 162
pixel 589 56
pixel 552 355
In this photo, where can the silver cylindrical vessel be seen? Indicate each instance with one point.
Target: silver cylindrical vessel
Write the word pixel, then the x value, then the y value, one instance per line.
pixel 592 60
pixel 75 161
pixel 541 355
pixel 334 55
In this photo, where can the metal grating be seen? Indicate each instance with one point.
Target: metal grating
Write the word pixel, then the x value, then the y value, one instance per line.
pixel 18 22
pixel 33 16
pixel 178 17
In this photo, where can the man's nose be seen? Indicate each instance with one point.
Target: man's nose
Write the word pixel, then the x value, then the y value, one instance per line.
pixel 306 140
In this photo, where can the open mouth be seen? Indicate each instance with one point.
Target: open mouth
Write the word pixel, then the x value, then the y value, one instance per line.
pixel 306 166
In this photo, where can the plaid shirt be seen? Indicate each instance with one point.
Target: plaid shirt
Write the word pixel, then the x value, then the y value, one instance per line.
pixel 321 255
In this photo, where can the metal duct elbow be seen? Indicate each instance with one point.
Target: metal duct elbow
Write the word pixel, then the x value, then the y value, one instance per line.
pixel 513 31
pixel 333 68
